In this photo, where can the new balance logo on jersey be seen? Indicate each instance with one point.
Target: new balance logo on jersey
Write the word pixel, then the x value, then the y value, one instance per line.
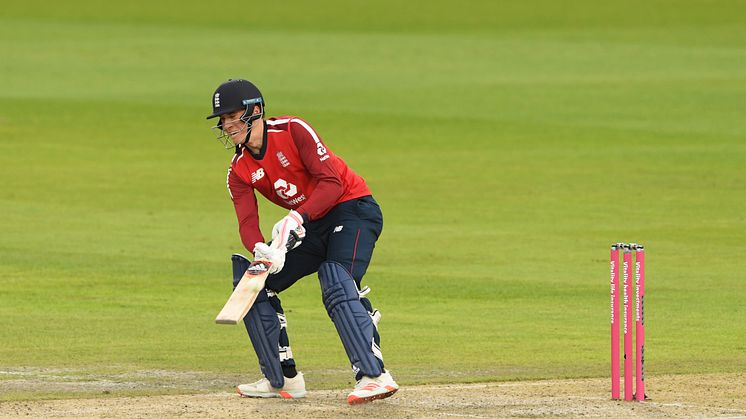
pixel 284 189
pixel 217 100
pixel 257 175
pixel 337 229
pixel 283 160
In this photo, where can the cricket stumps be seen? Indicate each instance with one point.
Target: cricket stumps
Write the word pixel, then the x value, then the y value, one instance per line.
pixel 627 323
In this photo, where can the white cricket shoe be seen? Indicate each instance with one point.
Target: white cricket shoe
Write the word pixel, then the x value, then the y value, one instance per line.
pixel 294 388
pixel 369 389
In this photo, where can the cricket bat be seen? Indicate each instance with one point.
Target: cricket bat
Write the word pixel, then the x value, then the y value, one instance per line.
pixel 245 294
pixel 251 284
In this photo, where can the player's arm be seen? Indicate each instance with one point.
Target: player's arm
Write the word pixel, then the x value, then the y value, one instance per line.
pixel 318 162
pixel 244 201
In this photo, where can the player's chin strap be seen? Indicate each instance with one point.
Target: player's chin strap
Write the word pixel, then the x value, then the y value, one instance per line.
pixel 352 320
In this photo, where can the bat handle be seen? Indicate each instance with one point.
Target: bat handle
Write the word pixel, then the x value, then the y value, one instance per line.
pixel 292 239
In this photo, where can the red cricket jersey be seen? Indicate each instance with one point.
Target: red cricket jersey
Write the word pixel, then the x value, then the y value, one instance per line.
pixel 295 170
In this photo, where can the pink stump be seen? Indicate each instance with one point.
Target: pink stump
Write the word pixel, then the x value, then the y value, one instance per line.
pixel 627 269
pixel 640 323
pixel 615 367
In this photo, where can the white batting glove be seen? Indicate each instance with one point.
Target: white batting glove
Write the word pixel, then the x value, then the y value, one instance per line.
pixel 275 256
pixel 281 231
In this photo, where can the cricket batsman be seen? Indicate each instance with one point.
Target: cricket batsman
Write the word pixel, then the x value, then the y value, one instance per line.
pixel 331 210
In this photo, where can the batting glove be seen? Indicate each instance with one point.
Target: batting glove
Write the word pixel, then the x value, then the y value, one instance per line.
pixel 281 231
pixel 276 257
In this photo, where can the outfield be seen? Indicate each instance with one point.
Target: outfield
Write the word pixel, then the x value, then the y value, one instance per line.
pixel 507 144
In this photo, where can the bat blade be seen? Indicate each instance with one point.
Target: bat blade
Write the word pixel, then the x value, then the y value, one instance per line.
pixel 245 294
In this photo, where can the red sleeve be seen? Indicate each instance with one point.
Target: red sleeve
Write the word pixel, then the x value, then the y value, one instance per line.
pixel 244 200
pixel 318 162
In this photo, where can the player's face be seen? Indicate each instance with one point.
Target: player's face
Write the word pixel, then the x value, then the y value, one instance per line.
pixel 234 126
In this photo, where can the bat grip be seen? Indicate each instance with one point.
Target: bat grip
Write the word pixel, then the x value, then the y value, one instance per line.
pixel 292 239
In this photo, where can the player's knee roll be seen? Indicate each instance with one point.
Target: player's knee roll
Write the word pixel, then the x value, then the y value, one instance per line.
pixel 337 285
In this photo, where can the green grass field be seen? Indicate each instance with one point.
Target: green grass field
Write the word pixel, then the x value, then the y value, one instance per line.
pixel 508 145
